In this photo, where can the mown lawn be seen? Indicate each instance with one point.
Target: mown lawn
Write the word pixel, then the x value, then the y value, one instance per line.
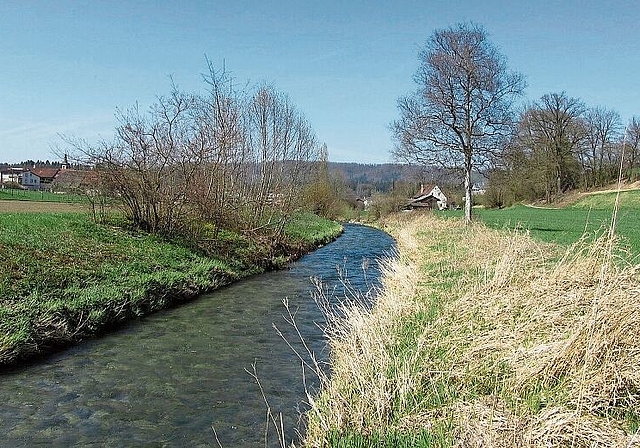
pixel 63 277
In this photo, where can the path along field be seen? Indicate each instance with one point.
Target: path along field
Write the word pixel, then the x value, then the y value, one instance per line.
pixel 487 338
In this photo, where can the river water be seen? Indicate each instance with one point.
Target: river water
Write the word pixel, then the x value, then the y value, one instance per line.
pixel 180 377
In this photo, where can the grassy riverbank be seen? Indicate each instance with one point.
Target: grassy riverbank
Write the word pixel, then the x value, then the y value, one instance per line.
pixel 64 278
pixel 486 338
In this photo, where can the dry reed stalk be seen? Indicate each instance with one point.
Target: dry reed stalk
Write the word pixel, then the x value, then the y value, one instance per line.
pixel 359 395
pixel 511 323
pixel 559 427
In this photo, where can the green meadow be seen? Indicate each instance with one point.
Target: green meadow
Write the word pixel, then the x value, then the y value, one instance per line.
pixel 63 277
pixel 590 216
pixel 45 196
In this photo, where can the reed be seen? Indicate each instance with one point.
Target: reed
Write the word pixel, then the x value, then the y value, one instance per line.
pixel 486 338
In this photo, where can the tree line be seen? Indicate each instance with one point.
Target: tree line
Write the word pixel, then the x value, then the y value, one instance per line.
pixel 231 158
pixel 559 144
pixel 462 117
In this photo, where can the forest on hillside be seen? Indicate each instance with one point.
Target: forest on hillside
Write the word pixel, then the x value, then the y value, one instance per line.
pixel 366 179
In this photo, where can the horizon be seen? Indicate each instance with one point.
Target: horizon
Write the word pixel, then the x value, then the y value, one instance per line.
pixel 68 67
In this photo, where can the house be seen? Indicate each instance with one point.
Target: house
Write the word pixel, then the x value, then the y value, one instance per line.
pixel 78 181
pixel 10 175
pixel 477 190
pixel 430 197
pixel 39 178
pixel 69 180
pixel 362 203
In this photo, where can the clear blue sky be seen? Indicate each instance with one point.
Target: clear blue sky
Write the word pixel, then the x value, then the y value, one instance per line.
pixel 65 66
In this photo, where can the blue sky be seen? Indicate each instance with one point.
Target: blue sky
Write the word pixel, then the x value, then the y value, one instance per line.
pixel 65 66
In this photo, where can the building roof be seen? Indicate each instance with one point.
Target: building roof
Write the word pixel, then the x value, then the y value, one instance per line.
pixel 425 189
pixel 12 170
pixel 45 173
pixel 423 198
pixel 73 179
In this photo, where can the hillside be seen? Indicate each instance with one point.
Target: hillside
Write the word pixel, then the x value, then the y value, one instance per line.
pixel 367 178
pixel 586 215
pixel 576 195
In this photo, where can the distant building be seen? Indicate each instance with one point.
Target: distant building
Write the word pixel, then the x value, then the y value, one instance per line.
pixel 39 178
pixel 11 175
pixel 477 189
pixel 430 197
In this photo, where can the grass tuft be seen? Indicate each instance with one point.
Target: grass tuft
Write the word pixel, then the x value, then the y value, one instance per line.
pixel 487 338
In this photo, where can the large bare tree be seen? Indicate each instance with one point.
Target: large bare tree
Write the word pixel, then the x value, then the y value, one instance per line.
pixel 553 132
pixel 603 128
pixel 632 150
pixel 282 145
pixel 462 110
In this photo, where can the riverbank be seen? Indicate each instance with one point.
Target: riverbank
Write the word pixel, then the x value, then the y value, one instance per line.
pixel 64 278
pixel 486 338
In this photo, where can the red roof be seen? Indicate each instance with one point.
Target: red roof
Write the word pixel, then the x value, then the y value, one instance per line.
pixel 47 173
pixel 425 189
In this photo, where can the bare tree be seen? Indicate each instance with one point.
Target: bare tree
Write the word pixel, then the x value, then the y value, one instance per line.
pixel 138 166
pixel 632 150
pixel 231 159
pixel 602 131
pixel 462 110
pixel 282 146
pixel 219 152
pixel 552 130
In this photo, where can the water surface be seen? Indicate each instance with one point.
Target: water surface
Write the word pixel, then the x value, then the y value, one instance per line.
pixel 179 377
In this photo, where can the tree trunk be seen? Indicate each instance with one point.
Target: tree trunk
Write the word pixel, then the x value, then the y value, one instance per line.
pixel 467 188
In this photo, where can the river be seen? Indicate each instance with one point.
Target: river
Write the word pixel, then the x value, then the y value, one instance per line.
pixel 179 377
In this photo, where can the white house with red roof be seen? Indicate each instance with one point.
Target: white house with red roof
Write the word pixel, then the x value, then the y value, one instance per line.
pixel 38 178
pixel 430 197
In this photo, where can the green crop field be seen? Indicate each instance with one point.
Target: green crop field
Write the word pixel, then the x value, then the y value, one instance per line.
pixel 45 196
pixel 590 215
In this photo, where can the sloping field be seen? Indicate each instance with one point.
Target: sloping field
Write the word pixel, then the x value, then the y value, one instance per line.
pixel 605 200
pixel 485 338
pixel 591 215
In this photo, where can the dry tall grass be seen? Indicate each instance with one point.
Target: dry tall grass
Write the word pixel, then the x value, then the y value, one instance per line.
pixel 488 339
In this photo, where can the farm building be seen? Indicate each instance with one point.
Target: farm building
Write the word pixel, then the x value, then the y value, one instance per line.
pixel 39 178
pixel 430 197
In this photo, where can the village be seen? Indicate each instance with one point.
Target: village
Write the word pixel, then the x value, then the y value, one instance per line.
pixel 64 177
pixel 53 177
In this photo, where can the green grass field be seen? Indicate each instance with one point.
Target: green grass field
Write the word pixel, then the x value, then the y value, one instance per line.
pixel 44 196
pixel 63 277
pixel 590 215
